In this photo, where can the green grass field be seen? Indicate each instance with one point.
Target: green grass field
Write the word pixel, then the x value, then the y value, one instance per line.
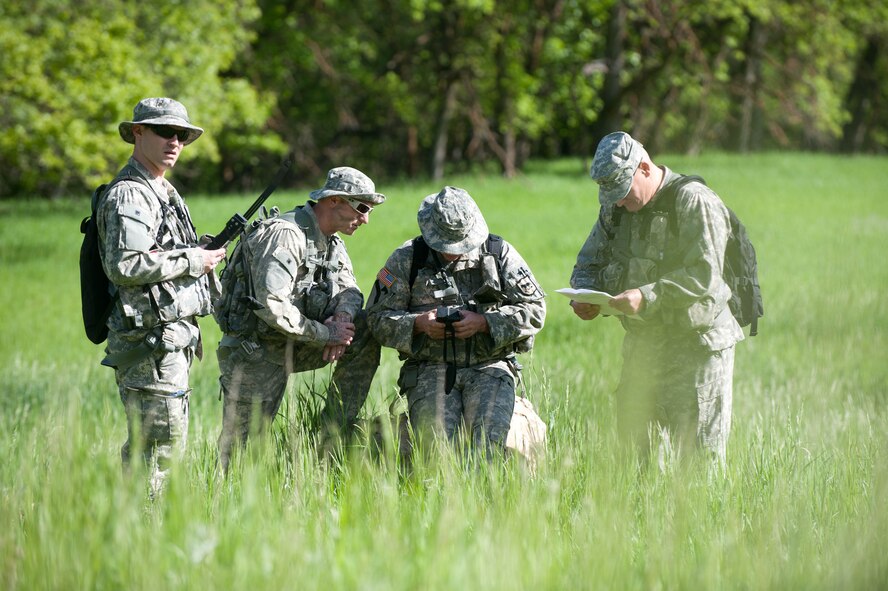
pixel 803 503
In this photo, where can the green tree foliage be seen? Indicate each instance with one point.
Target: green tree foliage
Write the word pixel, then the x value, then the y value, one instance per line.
pixel 71 71
pixel 404 87
pixel 426 87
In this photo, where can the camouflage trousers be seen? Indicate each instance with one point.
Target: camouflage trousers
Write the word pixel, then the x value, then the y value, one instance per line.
pixel 480 404
pixel 154 392
pixel 254 383
pixel 677 391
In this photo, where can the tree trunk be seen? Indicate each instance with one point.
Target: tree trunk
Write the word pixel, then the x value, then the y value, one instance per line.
pixel 859 100
pixel 750 114
pixel 439 155
pixel 609 118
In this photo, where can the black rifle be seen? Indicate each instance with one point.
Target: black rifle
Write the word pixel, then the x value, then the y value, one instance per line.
pixel 238 222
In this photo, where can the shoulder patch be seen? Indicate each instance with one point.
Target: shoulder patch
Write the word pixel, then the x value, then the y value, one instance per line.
pixel 135 212
pixel 286 260
pixel 526 284
pixel 386 277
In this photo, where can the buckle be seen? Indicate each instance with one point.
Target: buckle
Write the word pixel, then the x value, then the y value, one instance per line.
pixel 248 347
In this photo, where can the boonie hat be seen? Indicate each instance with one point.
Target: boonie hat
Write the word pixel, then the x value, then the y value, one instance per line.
pixel 616 161
pixel 451 222
pixel 349 182
pixel 159 111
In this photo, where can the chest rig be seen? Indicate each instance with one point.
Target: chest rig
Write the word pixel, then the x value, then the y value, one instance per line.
pixel 639 245
pixel 318 282
pixel 183 297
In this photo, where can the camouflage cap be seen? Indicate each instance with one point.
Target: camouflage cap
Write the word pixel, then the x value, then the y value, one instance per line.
pixel 451 222
pixel 159 111
pixel 616 161
pixel 349 182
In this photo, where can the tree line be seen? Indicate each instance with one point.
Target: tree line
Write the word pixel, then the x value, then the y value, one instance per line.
pixel 423 88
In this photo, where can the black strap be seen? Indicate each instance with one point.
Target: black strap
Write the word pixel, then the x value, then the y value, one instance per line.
pixel 665 201
pixel 420 254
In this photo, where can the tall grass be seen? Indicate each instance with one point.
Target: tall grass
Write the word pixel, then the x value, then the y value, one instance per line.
pixel 801 504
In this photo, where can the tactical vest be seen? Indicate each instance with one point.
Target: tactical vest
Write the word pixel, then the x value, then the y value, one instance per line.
pixel 638 245
pixel 314 290
pixel 181 298
pixel 479 289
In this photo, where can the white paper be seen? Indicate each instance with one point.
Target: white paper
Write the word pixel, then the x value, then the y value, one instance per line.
pixel 590 296
pixel 586 296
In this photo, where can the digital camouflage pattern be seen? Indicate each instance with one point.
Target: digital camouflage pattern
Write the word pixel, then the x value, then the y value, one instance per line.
pixel 349 182
pixel 300 277
pixel 451 222
pixel 159 111
pixel 483 396
pixel 686 318
pixel 616 160
pixel 148 248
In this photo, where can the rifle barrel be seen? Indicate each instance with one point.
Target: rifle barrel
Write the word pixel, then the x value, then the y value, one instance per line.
pixel 282 172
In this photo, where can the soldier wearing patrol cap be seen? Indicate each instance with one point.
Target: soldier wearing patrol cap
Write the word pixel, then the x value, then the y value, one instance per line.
pixel 665 266
pixel 457 303
pixel 163 282
pixel 290 303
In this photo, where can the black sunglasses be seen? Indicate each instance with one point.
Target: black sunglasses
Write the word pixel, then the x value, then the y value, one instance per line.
pixel 166 132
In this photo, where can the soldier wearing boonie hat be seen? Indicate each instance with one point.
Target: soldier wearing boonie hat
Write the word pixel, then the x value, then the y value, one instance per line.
pixel 291 304
pixel 457 302
pixel 665 266
pixel 164 281
pixel 348 182
pixel 156 112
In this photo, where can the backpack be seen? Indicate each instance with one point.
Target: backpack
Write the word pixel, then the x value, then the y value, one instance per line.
pixel 233 309
pixel 740 267
pixel 97 293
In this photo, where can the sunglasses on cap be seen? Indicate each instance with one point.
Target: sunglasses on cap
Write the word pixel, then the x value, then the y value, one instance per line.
pixel 167 132
pixel 359 206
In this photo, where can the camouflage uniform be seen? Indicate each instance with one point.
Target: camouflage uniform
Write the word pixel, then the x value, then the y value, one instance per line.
pixel 298 277
pixel 678 353
pixel 148 246
pixel 483 393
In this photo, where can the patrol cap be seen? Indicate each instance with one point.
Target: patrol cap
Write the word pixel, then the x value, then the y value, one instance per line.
pixel 159 111
pixel 348 182
pixel 451 222
pixel 616 161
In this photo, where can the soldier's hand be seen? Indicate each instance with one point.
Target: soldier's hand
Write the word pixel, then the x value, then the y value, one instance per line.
pixel 341 333
pixel 471 324
pixel 427 323
pixel 211 258
pixel 629 302
pixel 333 353
pixel 585 311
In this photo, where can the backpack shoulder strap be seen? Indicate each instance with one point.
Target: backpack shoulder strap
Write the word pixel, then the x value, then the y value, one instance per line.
pixel 420 254
pixel 665 202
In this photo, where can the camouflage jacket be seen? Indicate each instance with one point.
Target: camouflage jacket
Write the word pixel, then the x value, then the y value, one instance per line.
pixel 299 276
pixel 515 308
pixel 679 275
pixel 149 251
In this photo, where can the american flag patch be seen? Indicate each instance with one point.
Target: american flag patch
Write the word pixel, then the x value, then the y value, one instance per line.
pixel 385 277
